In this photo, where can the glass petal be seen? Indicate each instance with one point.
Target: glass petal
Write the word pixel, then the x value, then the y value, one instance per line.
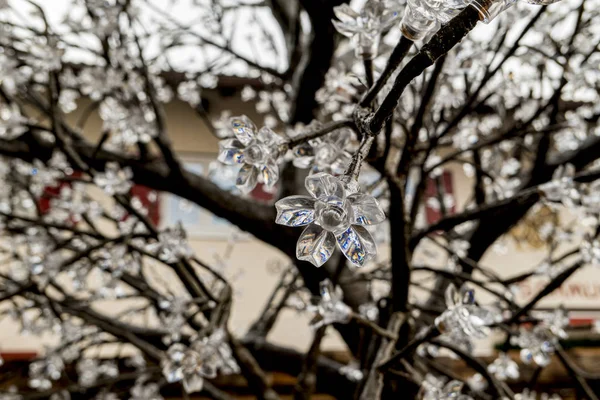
pixel 324 185
pixel 347 29
pixel 267 136
pixel 270 173
pixel 231 152
pixel 452 298
pixel 208 370
pixel 243 128
pixel 357 244
pixel 295 211
pixel 453 388
pixel 345 13
pixel 315 245
pixel 193 383
pixel 467 294
pixel 366 209
pixel 247 178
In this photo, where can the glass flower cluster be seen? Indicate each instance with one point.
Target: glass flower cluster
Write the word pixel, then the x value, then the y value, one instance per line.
pixel 539 344
pixel 258 152
pixel 332 214
pixel 202 359
pixel 434 388
pixel 365 27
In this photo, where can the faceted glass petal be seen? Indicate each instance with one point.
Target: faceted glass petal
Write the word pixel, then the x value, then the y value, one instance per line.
pixel 270 173
pixel 452 297
pixel 267 136
pixel 315 245
pixel 324 185
pixel 247 178
pixel 231 152
pixel 295 211
pixel 243 128
pixel 347 29
pixel 193 383
pixel 366 209
pixel 357 244
pixel 208 369
pixel 345 13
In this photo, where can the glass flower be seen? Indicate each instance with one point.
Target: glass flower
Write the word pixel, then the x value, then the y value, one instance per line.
pixel 324 154
pixel 365 28
pixel 330 309
pixel 145 391
pixel 504 368
pixel 172 245
pixel 183 364
pixel 12 123
pixel 463 318
pixel 434 388
pixel 89 370
pixel 128 125
pixel 333 216
pixel 562 188
pixel 590 251
pixel 202 359
pixel 258 152
pixel 43 372
pixel 114 180
pixel 537 345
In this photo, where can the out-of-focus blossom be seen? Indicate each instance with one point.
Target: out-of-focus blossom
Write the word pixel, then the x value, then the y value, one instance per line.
pixel 464 318
pixel 114 180
pixel 434 388
pixel 504 368
pixel 365 28
pixel 330 308
pixel 257 151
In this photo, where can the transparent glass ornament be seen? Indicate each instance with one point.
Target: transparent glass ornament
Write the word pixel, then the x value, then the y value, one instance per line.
pixel 333 216
pixel 434 388
pixel 365 28
pixel 259 153
pixel 463 318
pixel 330 309
pixel 504 368
pixel 114 180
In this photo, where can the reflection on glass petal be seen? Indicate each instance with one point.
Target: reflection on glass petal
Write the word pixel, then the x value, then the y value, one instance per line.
pixel 231 152
pixel 295 211
pixel 270 173
pixel 315 245
pixel 323 185
pixel 243 128
pixel 366 209
pixel 193 383
pixel 247 178
pixel 357 244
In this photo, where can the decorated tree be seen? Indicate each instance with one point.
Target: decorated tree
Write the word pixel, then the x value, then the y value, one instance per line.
pixel 362 108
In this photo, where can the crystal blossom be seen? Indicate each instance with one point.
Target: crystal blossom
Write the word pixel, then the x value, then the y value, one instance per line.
pixel 257 151
pixel 365 28
pixel 434 388
pixel 330 309
pixel 333 214
pixel 464 318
